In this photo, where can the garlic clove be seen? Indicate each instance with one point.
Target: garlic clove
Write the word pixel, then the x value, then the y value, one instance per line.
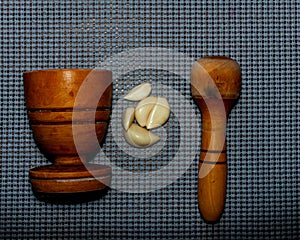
pixel 127 117
pixel 140 137
pixel 128 139
pixel 139 92
pixel 159 113
pixel 143 110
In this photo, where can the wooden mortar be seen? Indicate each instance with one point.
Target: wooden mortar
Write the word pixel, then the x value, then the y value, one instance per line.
pixel 50 96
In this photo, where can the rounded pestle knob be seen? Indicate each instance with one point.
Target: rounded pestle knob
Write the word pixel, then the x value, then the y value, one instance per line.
pixel 215 85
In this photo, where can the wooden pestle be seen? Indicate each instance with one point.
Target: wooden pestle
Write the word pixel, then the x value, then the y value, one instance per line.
pixel 216 84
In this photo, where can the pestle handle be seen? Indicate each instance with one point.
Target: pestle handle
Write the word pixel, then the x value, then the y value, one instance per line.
pixel 213 161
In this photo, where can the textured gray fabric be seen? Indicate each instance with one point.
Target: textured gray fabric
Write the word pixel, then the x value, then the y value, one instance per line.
pixel 263 130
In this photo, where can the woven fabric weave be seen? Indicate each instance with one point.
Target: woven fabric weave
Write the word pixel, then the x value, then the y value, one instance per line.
pixel 263 187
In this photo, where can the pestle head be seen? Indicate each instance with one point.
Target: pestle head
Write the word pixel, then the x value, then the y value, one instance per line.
pixel 216 77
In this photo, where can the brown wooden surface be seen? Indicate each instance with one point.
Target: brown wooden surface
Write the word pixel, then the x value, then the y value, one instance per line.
pixel 47 116
pixel 70 185
pixel 50 97
pixel 70 178
pixel 69 171
pixel 57 89
pixel 215 84
pixel 58 139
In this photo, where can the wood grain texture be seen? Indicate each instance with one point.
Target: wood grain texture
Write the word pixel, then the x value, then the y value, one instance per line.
pixel 58 139
pixel 70 178
pixel 215 85
pixel 57 89
pixel 55 121
pixel 66 116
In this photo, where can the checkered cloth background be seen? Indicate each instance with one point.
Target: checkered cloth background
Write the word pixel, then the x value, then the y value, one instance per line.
pixel 263 191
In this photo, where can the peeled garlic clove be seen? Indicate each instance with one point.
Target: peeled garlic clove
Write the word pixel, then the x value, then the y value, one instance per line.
pixel 141 137
pixel 159 114
pixel 128 139
pixel 139 92
pixel 143 110
pixel 127 117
